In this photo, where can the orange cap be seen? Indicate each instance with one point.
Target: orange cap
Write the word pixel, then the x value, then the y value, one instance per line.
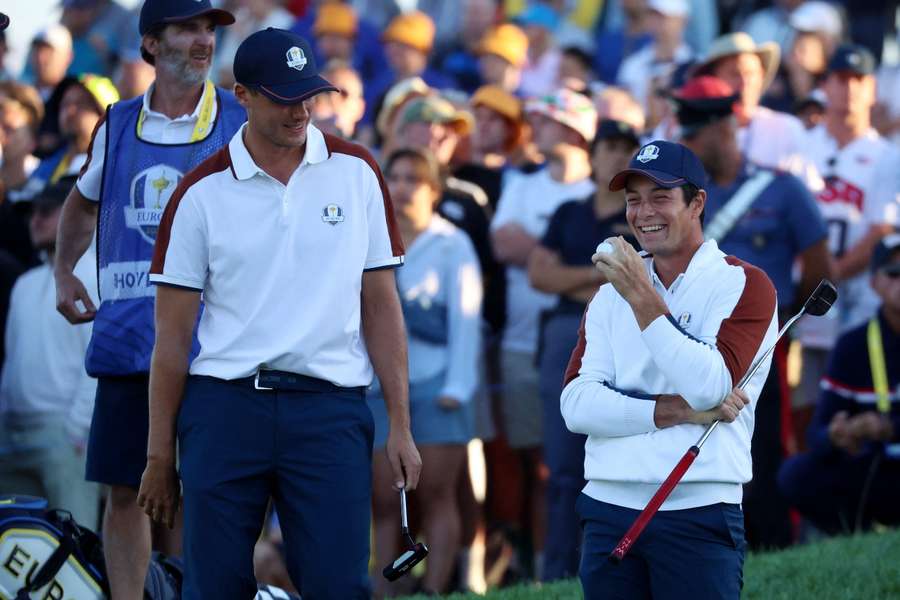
pixel 414 29
pixel 498 100
pixel 336 18
pixel 506 41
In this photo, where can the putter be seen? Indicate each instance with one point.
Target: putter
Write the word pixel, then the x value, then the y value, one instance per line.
pixel 415 552
pixel 818 303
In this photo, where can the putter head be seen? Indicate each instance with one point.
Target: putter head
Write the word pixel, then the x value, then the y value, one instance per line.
pixel 414 554
pixel 821 300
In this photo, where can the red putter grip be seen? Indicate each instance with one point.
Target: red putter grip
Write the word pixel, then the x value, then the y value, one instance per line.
pixel 659 497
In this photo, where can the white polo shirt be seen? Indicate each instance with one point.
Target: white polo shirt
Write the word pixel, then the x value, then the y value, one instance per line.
pixel 280 267
pixel 156 128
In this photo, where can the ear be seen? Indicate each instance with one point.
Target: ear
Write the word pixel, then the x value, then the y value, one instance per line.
pixel 150 43
pixel 698 203
pixel 242 94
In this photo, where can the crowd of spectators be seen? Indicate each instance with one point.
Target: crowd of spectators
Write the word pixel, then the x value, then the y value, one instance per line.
pixel 498 125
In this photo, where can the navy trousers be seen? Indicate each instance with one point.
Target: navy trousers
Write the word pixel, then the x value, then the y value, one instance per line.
pixel 691 554
pixel 829 489
pixel 310 452
pixel 563 451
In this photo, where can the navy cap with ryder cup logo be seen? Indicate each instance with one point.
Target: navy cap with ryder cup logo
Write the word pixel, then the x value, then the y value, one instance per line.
pixel 162 12
pixel 668 164
pixel 280 65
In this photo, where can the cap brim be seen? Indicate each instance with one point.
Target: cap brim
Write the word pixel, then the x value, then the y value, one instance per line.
pixel 659 177
pixel 294 92
pixel 218 16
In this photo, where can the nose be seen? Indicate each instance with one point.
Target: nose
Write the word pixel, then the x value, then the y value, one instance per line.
pixel 299 111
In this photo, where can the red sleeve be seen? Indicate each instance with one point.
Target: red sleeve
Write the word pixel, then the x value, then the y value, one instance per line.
pixel 577 354
pixel 336 144
pixel 741 334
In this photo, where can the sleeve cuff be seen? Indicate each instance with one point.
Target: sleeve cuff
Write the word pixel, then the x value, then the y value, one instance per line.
pixel 384 263
pixel 81 191
pixel 162 279
pixel 639 414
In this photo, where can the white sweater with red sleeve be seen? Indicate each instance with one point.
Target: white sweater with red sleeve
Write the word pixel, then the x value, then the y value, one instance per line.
pixel 722 318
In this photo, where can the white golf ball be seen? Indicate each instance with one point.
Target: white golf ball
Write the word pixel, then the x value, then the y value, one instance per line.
pixel 604 248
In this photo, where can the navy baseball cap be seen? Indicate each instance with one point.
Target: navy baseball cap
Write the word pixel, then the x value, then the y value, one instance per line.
pixel 279 64
pixel 609 129
pixel 885 250
pixel 666 163
pixel 4 21
pixel 853 58
pixel 163 12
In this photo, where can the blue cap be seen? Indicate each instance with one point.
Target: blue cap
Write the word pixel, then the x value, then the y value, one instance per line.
pixel 4 21
pixel 853 58
pixel 540 15
pixel 666 163
pixel 280 64
pixel 163 12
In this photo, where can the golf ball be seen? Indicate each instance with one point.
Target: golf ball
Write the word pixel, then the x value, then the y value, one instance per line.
pixel 604 248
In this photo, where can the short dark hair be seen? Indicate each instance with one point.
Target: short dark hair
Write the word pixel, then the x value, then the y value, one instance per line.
pixel 690 191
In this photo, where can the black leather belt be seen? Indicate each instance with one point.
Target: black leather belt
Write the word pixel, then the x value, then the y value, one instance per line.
pixel 269 380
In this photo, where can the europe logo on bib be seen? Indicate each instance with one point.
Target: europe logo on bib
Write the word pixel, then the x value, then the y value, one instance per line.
pixel 149 193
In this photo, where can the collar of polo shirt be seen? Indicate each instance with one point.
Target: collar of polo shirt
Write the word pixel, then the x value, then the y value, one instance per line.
pixel 245 167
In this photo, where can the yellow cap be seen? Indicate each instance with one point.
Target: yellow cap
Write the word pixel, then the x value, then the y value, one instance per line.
pixel 498 100
pixel 335 18
pixel 506 41
pixel 414 29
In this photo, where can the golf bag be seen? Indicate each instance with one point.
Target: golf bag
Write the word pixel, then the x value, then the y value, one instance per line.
pixel 45 554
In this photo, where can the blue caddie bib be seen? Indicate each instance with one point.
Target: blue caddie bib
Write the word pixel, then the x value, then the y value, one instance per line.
pixel 138 179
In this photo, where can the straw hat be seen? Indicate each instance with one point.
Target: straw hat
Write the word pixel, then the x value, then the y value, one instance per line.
pixel 741 43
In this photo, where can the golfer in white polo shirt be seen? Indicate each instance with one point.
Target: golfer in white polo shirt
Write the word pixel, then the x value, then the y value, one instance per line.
pixel 290 236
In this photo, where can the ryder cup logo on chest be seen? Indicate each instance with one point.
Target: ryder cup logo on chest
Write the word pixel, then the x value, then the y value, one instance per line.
pixel 648 153
pixel 333 214
pixel 295 58
pixel 149 194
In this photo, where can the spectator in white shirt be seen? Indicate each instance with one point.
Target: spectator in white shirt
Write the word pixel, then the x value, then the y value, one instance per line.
pixel 647 67
pixel 46 397
pixel 768 138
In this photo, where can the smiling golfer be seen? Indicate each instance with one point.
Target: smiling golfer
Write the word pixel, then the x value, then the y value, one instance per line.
pixel 659 349
pixel 289 234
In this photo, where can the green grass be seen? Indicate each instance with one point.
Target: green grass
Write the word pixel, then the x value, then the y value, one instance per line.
pixel 865 567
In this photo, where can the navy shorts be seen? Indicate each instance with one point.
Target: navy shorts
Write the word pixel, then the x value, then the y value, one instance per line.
pixel 691 554
pixel 117 446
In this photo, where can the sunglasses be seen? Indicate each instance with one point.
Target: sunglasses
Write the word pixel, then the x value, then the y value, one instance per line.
pixel 892 271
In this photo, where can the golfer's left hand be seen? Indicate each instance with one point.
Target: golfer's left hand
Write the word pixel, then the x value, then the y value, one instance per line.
pixel 624 268
pixel 406 464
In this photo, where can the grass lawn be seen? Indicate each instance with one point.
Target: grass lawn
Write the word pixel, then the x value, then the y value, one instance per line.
pixel 865 567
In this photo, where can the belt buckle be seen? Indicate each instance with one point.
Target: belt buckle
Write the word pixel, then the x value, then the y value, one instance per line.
pixel 256 383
